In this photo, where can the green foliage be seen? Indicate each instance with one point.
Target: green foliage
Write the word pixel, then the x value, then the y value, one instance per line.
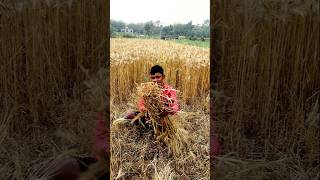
pixel 112 31
pixel 170 31
pixel 148 27
pixel 198 43
pixel 117 25
pixel 137 28
pixel 167 30
pixel 128 35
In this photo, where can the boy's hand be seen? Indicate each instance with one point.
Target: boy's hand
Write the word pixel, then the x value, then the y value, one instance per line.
pixel 164 114
pixel 167 102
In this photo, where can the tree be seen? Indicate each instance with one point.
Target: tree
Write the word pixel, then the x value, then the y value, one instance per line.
pixel 189 28
pixel 206 31
pixel 168 30
pixel 174 30
pixel 206 22
pixel 180 29
pixel 155 30
pixel 137 28
pixel 148 28
pixel 112 31
pixel 118 25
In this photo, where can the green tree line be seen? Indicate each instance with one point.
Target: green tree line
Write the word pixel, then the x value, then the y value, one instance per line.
pixel 174 30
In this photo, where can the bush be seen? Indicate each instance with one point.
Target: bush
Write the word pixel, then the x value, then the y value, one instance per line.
pixel 129 36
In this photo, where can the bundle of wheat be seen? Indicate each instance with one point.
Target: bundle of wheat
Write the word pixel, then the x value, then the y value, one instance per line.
pixel 166 130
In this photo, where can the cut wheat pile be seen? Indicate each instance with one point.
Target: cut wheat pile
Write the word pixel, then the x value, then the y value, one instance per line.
pixel 166 128
pixel 175 148
pixel 135 154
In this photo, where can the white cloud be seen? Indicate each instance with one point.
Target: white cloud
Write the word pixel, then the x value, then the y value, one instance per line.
pixel 167 11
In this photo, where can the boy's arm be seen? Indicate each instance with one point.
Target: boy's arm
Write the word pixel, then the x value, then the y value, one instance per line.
pixel 174 102
pixel 141 105
pixel 173 106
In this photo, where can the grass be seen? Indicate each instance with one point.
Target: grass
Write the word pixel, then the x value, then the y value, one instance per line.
pixel 197 43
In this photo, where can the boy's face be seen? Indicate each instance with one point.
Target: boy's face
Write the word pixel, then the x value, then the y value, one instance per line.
pixel 157 78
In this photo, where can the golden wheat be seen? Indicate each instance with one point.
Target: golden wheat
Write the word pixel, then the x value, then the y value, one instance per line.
pixel 267 82
pixel 166 128
pixel 44 45
pixel 186 68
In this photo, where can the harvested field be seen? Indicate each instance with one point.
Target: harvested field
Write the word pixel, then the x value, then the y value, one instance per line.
pixel 136 155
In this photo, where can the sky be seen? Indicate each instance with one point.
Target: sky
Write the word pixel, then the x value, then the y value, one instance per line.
pixel 167 11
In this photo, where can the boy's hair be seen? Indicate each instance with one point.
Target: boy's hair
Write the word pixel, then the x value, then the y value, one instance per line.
pixel 156 69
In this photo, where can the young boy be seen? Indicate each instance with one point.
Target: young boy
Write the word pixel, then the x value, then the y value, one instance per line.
pixel 157 76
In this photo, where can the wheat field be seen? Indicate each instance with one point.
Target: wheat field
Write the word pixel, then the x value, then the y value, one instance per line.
pixel 52 70
pixel 134 152
pixel 267 84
